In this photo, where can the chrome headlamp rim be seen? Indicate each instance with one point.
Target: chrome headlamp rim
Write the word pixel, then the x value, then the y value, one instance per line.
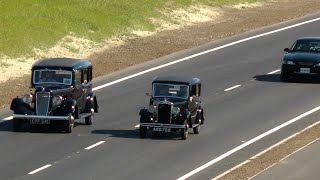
pixel 288 62
pixel 27 98
pixel 57 100
pixel 175 111
pixel 152 108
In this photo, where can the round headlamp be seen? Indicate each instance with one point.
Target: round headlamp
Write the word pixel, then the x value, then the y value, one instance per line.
pixel 175 111
pixel 56 100
pixel 152 108
pixel 27 98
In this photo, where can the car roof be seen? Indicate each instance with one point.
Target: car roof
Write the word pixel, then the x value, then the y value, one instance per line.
pixel 63 63
pixel 176 80
pixel 309 38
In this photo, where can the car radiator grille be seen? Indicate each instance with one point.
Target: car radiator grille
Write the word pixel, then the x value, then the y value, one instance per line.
pixel 42 103
pixel 164 113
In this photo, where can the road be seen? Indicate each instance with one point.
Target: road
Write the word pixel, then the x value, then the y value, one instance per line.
pixel 303 164
pixel 233 117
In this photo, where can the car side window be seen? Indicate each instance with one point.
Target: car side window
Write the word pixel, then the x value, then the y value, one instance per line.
pixel 77 77
pixel 84 76
pixel 195 90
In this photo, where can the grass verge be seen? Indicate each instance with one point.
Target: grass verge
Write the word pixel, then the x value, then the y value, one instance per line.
pixel 29 24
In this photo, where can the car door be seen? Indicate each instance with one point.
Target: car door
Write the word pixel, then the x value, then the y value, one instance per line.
pixel 80 90
pixel 193 101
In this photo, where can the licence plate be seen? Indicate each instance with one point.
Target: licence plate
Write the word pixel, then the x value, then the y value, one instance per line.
pixel 305 70
pixel 161 129
pixel 40 121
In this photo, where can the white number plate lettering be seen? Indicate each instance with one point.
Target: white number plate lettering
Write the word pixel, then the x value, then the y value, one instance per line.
pixel 161 129
pixel 305 70
pixel 40 121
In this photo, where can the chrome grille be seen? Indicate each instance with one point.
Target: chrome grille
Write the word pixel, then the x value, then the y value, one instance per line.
pixel 164 113
pixel 42 103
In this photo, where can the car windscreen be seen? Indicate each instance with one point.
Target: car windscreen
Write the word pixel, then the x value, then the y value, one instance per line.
pixel 306 46
pixel 52 77
pixel 170 90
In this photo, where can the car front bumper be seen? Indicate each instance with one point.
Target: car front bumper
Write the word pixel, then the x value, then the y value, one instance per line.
pixel 22 116
pixel 300 69
pixel 171 126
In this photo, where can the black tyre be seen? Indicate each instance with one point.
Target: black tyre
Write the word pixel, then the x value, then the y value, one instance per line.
pixel 88 120
pixel 143 131
pixel 184 132
pixel 68 128
pixel 196 130
pixel 17 125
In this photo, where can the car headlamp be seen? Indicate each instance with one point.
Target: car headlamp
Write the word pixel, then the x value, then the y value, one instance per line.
pixel 27 98
pixel 288 62
pixel 152 108
pixel 175 111
pixel 56 100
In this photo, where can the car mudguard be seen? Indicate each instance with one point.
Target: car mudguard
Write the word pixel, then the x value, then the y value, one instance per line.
pixel 145 116
pixel 67 107
pixel 20 107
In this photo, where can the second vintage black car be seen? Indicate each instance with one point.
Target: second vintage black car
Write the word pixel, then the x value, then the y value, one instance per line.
pixel 175 106
pixel 303 58
pixel 61 92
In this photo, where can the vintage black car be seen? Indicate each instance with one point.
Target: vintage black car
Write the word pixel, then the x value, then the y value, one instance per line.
pixel 175 106
pixel 303 58
pixel 61 92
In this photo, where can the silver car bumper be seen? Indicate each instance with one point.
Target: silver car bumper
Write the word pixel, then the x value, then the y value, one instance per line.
pixel 21 116
pixel 162 125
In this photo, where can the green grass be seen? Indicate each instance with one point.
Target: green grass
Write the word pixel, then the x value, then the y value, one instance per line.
pixel 28 24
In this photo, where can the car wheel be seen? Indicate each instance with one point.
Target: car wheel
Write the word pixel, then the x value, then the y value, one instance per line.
pixel 88 120
pixel 69 128
pixel 184 132
pixel 196 130
pixel 284 77
pixel 143 131
pixel 16 125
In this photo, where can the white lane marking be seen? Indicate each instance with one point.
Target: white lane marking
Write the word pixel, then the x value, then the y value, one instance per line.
pixel 233 87
pixel 137 126
pixel 5 119
pixel 230 152
pixel 39 169
pixel 283 158
pixel 266 150
pixel 94 145
pixel 202 53
pixel 273 72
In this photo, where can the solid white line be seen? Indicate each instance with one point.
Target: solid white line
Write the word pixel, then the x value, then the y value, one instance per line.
pixel 284 158
pixel 94 145
pixel 39 169
pixel 213 161
pixel 266 150
pixel 275 71
pixel 233 87
pixel 202 53
pixel 137 126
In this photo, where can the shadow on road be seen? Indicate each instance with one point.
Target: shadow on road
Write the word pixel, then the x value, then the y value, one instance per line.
pixel 129 133
pixel 295 79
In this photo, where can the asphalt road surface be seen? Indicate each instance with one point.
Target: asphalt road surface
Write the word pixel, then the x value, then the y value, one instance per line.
pixel 242 97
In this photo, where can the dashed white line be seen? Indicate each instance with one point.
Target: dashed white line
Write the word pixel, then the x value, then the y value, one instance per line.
pixel 39 169
pixel 94 145
pixel 273 72
pixel 233 87
pixel 137 126
pixel 232 151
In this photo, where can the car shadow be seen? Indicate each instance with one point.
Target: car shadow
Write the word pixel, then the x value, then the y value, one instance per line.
pixel 134 134
pixel 128 133
pixel 7 126
pixel 295 79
